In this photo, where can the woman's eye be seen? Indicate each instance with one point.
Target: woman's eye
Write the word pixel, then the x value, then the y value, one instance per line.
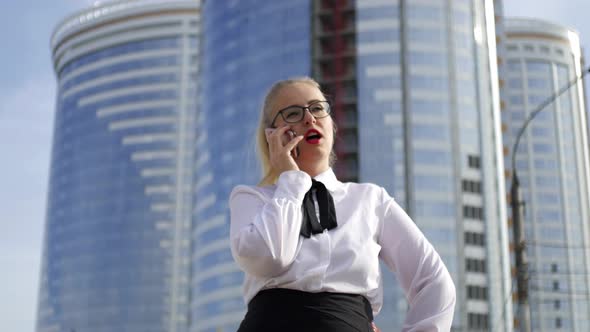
pixel 292 114
pixel 317 108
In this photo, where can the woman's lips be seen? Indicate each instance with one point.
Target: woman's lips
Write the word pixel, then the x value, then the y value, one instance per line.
pixel 313 136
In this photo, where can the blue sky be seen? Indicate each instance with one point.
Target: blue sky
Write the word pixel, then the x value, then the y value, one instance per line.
pixel 27 94
pixel 27 97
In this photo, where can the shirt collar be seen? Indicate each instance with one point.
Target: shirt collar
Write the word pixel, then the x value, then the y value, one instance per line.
pixel 328 178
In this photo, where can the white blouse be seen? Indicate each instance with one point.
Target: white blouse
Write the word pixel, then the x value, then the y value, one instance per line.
pixel 266 244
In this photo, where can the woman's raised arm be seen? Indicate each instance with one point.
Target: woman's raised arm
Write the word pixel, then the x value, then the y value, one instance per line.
pixel 264 232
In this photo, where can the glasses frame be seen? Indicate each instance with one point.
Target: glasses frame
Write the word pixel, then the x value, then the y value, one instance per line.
pixel 304 108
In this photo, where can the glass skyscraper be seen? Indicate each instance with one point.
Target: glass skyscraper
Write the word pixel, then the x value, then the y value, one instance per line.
pixel 429 132
pixel 552 165
pixel 415 92
pixel 116 247
pixel 247 45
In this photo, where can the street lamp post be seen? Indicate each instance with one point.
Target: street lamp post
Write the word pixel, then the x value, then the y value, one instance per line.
pixel 516 204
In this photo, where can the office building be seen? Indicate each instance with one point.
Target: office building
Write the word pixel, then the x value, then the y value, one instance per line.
pixel 552 165
pixel 116 246
pixel 245 49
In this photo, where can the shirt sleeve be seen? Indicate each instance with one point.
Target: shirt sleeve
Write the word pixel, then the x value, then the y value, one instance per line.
pixel 264 233
pixel 428 286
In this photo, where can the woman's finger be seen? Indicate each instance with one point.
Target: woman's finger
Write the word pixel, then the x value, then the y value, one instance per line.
pixel 293 142
pixel 281 131
pixel 279 138
pixel 275 136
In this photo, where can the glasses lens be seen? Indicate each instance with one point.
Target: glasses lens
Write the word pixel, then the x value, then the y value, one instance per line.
pixel 320 109
pixel 293 114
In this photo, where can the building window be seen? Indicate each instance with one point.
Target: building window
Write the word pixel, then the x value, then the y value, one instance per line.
pixel 472 212
pixel 473 238
pixel 556 304
pixel 477 321
pixel 514 66
pixel 473 161
pixel 554 267
pixel 477 293
pixel 558 322
pixel 471 186
pixel 555 285
pixel 475 265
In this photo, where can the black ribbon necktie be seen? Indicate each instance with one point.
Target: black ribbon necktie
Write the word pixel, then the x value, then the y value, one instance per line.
pixel 310 224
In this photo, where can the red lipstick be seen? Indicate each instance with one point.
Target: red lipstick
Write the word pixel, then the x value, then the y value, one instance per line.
pixel 313 136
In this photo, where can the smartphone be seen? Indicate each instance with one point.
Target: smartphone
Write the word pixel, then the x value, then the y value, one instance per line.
pixel 289 135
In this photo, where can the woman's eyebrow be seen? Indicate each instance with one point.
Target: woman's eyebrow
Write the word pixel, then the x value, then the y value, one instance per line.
pixel 297 105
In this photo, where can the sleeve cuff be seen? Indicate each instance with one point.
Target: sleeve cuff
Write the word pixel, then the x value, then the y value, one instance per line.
pixel 293 185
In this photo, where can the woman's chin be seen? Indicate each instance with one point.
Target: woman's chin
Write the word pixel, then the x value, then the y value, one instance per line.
pixel 312 160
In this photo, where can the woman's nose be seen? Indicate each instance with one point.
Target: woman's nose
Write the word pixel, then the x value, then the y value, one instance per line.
pixel 308 118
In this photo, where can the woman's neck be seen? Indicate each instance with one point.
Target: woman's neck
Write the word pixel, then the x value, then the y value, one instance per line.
pixel 314 169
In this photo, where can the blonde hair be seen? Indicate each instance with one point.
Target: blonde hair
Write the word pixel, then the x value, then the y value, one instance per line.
pixel 269 175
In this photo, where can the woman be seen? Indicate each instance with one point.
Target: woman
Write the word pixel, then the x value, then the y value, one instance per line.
pixel 310 245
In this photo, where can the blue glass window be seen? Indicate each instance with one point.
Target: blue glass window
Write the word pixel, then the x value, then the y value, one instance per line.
pixel 436 183
pixel 437 108
pixel 427 35
pixel 428 13
pixel 515 83
pixel 434 209
pixel 514 66
pixel 537 66
pixel 430 132
pixel 538 83
pixel 516 100
pixel 432 157
pixel 387 12
pixel 429 83
pixel 436 59
pixel 126 48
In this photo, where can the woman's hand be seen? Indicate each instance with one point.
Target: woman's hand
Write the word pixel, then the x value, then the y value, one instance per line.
pixel 281 158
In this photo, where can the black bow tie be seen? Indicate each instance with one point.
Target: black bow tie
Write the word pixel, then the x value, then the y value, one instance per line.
pixel 310 224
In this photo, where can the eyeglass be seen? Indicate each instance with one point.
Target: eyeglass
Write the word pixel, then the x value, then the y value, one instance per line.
pixel 293 114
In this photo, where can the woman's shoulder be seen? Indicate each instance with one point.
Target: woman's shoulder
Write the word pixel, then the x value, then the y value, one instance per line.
pixel 262 191
pixel 363 187
pixel 367 190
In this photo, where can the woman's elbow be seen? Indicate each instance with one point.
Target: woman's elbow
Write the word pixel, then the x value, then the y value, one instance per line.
pixel 258 264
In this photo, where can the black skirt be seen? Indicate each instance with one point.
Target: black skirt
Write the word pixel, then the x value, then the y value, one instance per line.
pixel 288 310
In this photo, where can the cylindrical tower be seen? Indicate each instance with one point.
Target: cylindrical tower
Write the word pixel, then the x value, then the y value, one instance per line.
pixel 552 166
pixel 116 247
pixel 247 45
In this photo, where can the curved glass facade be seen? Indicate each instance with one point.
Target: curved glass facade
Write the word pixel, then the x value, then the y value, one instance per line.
pixel 552 164
pixel 247 46
pixel 427 116
pixel 381 133
pixel 116 246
